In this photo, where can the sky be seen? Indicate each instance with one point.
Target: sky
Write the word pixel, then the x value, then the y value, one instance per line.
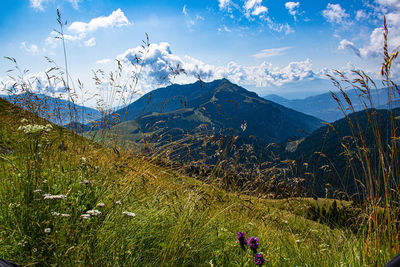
pixel 266 46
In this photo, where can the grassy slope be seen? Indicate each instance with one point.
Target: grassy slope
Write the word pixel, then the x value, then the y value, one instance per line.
pixel 179 221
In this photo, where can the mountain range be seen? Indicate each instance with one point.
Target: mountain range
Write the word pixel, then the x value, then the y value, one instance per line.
pixel 325 107
pixel 219 106
pixel 54 109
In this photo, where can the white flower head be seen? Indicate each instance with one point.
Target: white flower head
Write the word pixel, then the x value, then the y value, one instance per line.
pixel 85 216
pixel 93 212
pixel 47 230
pixel 130 214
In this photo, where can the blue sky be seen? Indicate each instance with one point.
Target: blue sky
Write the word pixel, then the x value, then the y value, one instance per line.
pixel 268 46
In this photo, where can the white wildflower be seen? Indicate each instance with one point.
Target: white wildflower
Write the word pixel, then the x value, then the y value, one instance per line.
pixel 101 204
pixel 118 202
pixel 37 191
pixel 55 213
pixel 50 196
pixel 93 212
pixel 65 215
pixel 85 216
pixel 128 213
pixel 47 230
pixel 24 120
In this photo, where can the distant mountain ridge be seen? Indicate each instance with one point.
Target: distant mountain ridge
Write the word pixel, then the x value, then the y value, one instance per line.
pixel 56 110
pixel 323 106
pixel 326 158
pixel 220 105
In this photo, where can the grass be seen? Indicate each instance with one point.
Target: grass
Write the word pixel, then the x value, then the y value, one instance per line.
pixel 179 221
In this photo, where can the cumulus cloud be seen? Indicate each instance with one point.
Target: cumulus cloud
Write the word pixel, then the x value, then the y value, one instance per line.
pixel 265 74
pixel 30 49
pixel 116 19
pixel 159 62
pixel 39 4
pixel 334 13
pixel 293 8
pixel 271 52
pixel 78 30
pixel 254 8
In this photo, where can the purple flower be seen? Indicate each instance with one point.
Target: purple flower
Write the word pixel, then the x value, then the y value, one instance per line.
pixel 253 243
pixel 258 259
pixel 241 239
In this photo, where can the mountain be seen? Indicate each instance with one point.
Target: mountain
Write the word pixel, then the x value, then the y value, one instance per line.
pixel 323 106
pixel 219 106
pixel 322 153
pixel 56 110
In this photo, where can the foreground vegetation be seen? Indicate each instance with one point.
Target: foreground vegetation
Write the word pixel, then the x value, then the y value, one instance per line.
pixel 141 214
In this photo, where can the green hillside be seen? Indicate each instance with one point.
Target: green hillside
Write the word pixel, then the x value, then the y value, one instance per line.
pixel 80 204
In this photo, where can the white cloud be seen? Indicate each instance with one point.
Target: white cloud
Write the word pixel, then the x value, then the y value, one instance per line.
pixel 103 61
pixel 254 8
pixel 345 44
pixel 35 83
pixel 293 8
pixel 159 61
pixel 334 13
pixel 223 3
pixel 78 30
pixel 361 14
pixel 91 42
pixel 271 52
pixel 224 28
pixel 184 12
pixel 265 74
pixel 116 19
pixel 30 49
pixel 39 4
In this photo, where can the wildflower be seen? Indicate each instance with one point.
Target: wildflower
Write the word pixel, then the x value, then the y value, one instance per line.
pixel 241 239
pixel 65 215
pixel 253 243
pixel 50 196
pixel 118 202
pixel 24 120
pixel 85 216
pixel 93 212
pixel 100 204
pixel 258 259
pixel 47 230
pixel 37 191
pixel 131 214
pixel 55 213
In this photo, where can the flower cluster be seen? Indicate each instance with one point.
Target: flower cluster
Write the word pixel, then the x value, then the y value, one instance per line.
pixel 241 239
pixel 258 259
pixel 50 196
pixel 128 213
pixel 253 244
pixel 35 128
